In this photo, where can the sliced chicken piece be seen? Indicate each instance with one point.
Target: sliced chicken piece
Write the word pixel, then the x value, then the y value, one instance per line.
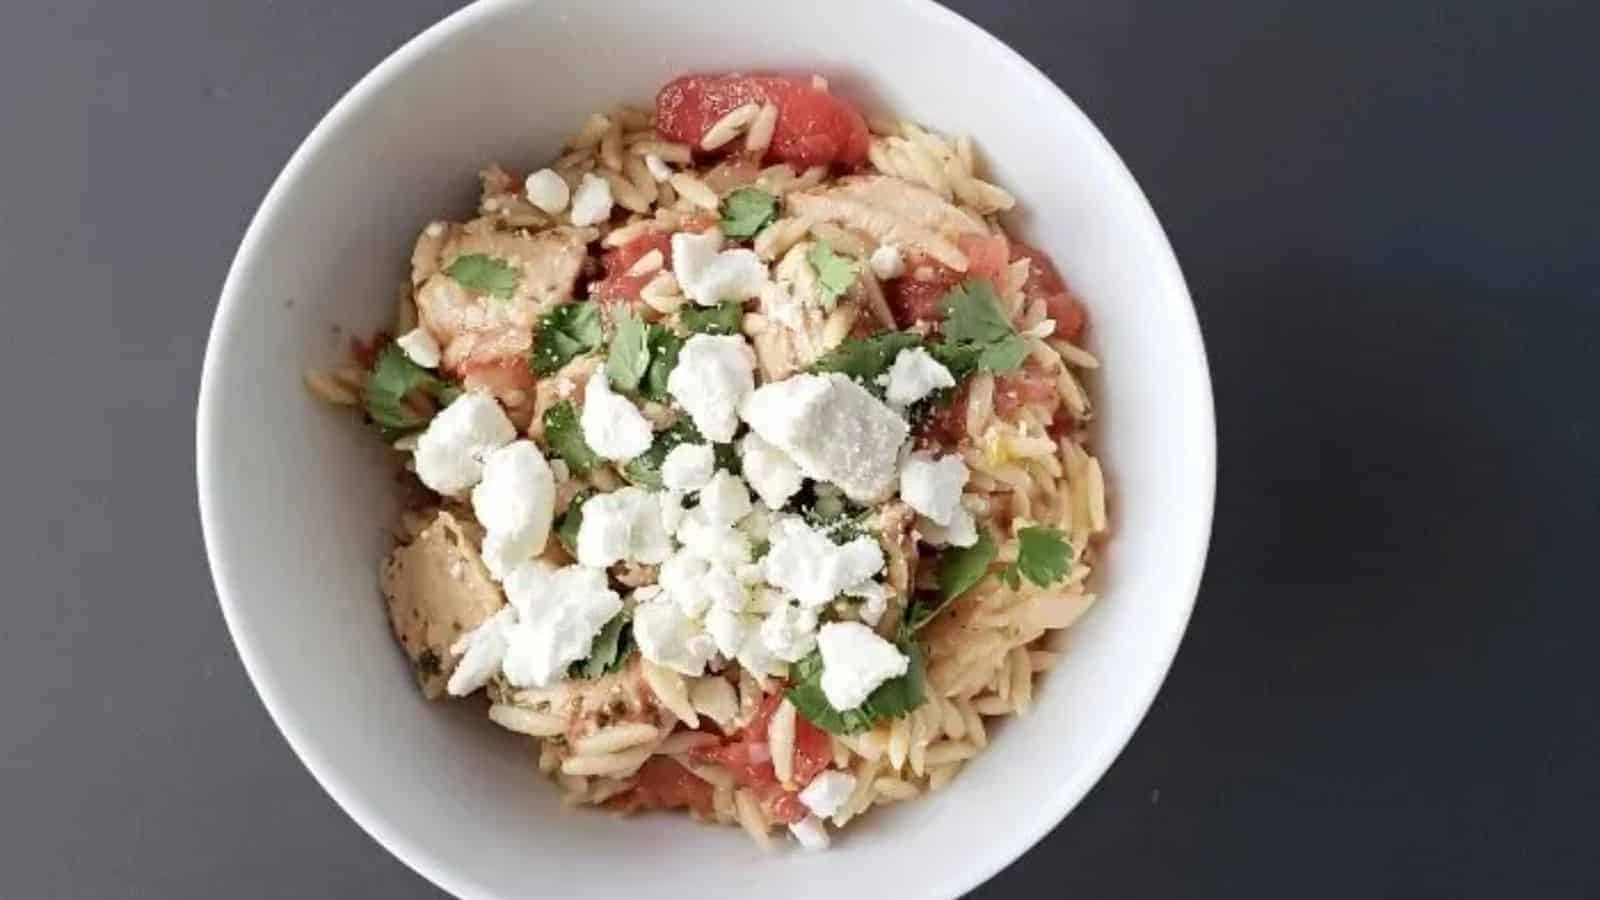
pixel 437 590
pixel 475 328
pixel 892 211
pixel 797 312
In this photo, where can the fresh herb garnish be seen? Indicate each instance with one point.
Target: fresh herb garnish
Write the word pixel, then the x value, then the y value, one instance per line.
pixel 645 469
pixel 746 211
pixel 609 650
pixel 565 333
pixel 724 318
pixel 892 699
pixel 630 352
pixel 976 334
pixel 866 359
pixel 572 521
pixel 960 569
pixel 393 377
pixel 485 274
pixel 565 436
pixel 1043 557
pixel 641 357
pixel 835 273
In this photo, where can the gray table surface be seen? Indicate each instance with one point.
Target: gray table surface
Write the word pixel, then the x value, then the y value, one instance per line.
pixel 1387 214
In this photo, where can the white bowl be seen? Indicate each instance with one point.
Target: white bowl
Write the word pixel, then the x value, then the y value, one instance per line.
pixel 295 497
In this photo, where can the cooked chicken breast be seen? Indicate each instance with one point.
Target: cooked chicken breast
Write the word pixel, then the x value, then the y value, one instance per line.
pixel 892 211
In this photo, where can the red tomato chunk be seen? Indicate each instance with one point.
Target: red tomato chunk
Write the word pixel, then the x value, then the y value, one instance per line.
pixel 814 128
pixel 1044 283
pixel 663 784
pixel 618 286
pixel 748 757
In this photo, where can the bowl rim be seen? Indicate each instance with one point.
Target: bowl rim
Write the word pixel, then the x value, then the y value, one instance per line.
pixel 418 857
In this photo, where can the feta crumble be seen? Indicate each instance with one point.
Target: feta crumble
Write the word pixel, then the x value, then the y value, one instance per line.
pixel 827 792
pixel 855 662
pixel 807 564
pixel 515 503
pixel 709 275
pixel 449 454
pixel 789 632
pixel 770 471
pixel 833 430
pixel 932 486
pixel 887 262
pixel 548 191
pixel 669 638
pixel 961 532
pixel 592 203
pixel 624 525
pixel 559 612
pixel 612 426
pixel 419 346
pixel 481 651
pixel 714 374
pixel 688 467
pixel 914 375
pixel 810 832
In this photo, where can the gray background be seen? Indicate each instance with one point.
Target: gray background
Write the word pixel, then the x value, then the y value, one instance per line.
pixel 1386 211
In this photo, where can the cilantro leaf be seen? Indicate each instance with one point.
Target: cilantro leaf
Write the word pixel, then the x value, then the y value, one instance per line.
pixel 485 274
pixel 630 352
pixel 565 436
pixel 664 347
pixel 976 333
pixel 724 318
pixel 572 520
pixel 1043 557
pixel 894 698
pixel 645 468
pixel 393 377
pixel 960 570
pixel 565 333
pixel 865 359
pixel 746 211
pixel 835 274
pixel 609 650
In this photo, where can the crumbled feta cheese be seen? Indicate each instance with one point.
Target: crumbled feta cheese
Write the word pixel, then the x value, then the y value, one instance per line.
pixel 914 375
pixel 718 543
pixel 680 578
pixel 727 628
pixel 559 612
pixel 548 191
pixel 659 170
pixel 855 661
pixel 714 375
pixel 876 593
pixel 828 791
pixel 961 532
pixel 753 656
pixel 724 501
pixel 671 511
pixel 514 503
pixel 591 205
pixel 770 471
pixel 669 638
pixel 933 486
pixel 833 429
pixel 623 525
pixel 612 426
pixel 709 275
pixel 449 454
pixel 810 832
pixel 420 347
pixel 758 525
pixel 804 562
pixel 688 467
pixel 789 632
pixel 887 262
pixel 481 651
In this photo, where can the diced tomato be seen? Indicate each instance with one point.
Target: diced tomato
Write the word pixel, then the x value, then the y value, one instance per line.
pixel 814 127
pixel 748 757
pixel 912 299
pixel 946 427
pixel 1028 385
pixel 986 256
pixel 618 286
pixel 663 784
pixel 1044 283
pixel 366 352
